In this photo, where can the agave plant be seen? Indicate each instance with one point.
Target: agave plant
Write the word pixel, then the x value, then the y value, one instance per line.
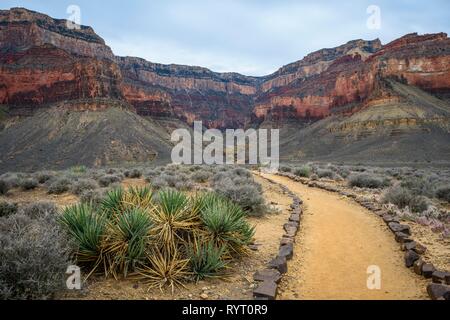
pixel 87 227
pixel 173 217
pixel 127 240
pixel 205 259
pixel 226 225
pixel 162 269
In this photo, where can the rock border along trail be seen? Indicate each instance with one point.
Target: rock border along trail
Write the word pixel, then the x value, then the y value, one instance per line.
pixel 338 241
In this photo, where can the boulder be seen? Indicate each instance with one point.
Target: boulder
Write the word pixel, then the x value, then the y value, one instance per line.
pixel 397 227
pixel 438 291
pixel 267 275
pixel 418 266
pixel 439 276
pixel 411 257
pixel 266 289
pixel 285 240
pixel 295 218
pixel 402 237
pixel 291 232
pixel 280 264
pixel 409 246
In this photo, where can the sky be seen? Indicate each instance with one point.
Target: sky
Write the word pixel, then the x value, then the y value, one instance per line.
pixel 252 37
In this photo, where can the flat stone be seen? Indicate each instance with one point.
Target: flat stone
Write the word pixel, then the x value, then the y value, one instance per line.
pixel 427 270
pixel 279 263
pixel 418 266
pixel 267 289
pixel 420 249
pixel 294 218
pixel 410 258
pixel 402 237
pixel 285 240
pixel 287 251
pixel 291 232
pixel 439 276
pixel 253 247
pixel 267 275
pixel 409 246
pixel 438 291
pixel 397 227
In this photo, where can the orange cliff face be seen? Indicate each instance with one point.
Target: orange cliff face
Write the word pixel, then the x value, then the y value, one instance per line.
pixel 43 62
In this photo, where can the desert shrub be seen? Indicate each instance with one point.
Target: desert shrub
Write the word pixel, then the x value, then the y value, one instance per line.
pixel 82 185
pixel 43 176
pixel 109 179
pixel 399 196
pixel 34 256
pixel 59 186
pixel 206 259
pixel 78 169
pixel 201 176
pixel 7 208
pixel 158 183
pixel 325 173
pixel 285 169
pixel 304 171
pixel 94 197
pixel 419 204
pixel 39 209
pixel 4 187
pixel 418 186
pixel 11 180
pixel 184 185
pixel 133 174
pixel 443 193
pixel 242 190
pixel 29 184
pixel 364 180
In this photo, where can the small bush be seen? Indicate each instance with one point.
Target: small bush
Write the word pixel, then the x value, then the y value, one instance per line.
pixel 133 174
pixel 419 186
pixel 304 172
pixel 399 196
pixel 325 173
pixel 109 179
pixel 443 193
pixel 29 184
pixel 78 169
pixel 4 187
pixel 285 169
pixel 84 185
pixel 59 186
pixel 184 185
pixel 365 180
pixel 12 180
pixel 39 209
pixel 419 204
pixel 34 256
pixel 43 176
pixel 158 183
pixel 206 259
pixel 201 176
pixel 94 197
pixel 7 208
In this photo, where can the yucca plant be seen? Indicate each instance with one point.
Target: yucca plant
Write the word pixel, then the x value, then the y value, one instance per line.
pixel 205 259
pixel 112 204
pixel 162 269
pixel 173 217
pixel 87 227
pixel 127 240
pixel 226 225
pixel 138 197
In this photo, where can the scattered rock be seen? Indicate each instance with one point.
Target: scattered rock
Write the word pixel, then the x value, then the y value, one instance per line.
pixel 294 218
pixel 410 258
pixel 409 246
pixel 291 232
pixel 439 276
pixel 268 275
pixel 284 241
pixel 427 270
pixel 287 251
pixel 438 291
pixel 267 289
pixel 280 264
pixel 204 296
pixel 253 247
pixel 402 237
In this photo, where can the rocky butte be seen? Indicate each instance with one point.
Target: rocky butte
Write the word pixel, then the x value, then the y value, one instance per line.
pixel 61 89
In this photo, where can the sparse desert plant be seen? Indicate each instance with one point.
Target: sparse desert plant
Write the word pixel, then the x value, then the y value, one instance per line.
pixel 34 256
pixel 78 169
pixel 365 180
pixel 109 179
pixel 419 186
pixel 29 184
pixel 59 186
pixel 94 197
pixel 112 203
pixel 158 183
pixel 443 193
pixel 285 169
pixel 205 259
pixel 82 185
pixel 325 173
pixel 303 171
pixel 201 176
pixel 133 174
pixel 43 176
pixel 419 204
pixel 7 208
pixel 12 180
pixel 399 196
pixel 39 209
pixel 184 185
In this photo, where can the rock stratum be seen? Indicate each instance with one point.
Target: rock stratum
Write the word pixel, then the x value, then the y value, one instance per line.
pixel 362 100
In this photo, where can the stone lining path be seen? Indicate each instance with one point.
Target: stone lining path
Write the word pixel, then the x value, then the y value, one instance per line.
pixel 337 242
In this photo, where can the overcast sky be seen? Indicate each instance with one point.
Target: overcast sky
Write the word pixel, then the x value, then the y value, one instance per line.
pixel 253 37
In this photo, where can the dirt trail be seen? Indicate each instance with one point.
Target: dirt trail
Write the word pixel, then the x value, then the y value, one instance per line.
pixel 337 242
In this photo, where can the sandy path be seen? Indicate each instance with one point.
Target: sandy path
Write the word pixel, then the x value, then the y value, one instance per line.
pixel 337 243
